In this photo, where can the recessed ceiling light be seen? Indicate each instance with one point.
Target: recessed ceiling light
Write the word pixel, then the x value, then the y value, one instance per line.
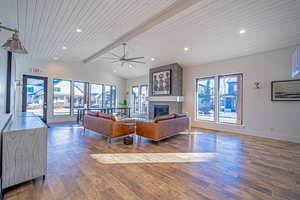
pixel 130 65
pixel 242 31
pixel 152 59
pixel 78 30
pixel 115 71
pixel 64 47
pixel 186 48
pixel 55 58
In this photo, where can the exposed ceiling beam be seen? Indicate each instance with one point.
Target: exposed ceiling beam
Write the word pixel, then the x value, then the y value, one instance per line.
pixel 162 16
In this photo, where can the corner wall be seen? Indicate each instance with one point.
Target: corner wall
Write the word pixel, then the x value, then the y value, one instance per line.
pixel 261 116
pixel 74 71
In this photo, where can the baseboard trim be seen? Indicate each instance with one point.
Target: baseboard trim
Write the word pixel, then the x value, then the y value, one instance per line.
pixel 239 134
pixel 63 122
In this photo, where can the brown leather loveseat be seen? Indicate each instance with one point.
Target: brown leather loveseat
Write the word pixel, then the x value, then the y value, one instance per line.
pixel 163 126
pixel 106 125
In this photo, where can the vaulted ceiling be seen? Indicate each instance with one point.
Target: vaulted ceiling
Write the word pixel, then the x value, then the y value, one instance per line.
pixel 209 28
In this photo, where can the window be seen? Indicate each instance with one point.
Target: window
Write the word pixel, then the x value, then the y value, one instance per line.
pixel 144 102
pixel 56 89
pixel 96 96
pixel 230 98
pixel 80 90
pixel 222 104
pixel 206 99
pixel 139 96
pixel 107 96
pixel 61 97
pixel 114 96
pixel 135 98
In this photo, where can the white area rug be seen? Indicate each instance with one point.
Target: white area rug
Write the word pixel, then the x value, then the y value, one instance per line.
pixel 122 158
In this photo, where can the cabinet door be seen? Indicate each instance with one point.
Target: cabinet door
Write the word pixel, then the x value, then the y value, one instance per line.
pixel 24 155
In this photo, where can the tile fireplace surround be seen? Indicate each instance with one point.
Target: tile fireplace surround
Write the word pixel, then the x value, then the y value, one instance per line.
pixel 175 99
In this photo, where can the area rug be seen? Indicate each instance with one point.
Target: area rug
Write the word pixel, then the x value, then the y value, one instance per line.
pixel 123 158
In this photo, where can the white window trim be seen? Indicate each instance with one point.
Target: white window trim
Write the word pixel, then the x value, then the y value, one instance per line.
pixel 216 100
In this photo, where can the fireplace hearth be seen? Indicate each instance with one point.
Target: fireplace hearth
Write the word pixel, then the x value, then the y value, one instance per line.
pixel 160 110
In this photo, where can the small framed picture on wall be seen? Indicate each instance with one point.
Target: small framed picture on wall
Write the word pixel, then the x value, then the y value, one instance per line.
pixel 286 90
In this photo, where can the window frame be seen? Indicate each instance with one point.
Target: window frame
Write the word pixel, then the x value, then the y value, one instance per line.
pixel 133 99
pixel 89 95
pixel 104 96
pixel 217 98
pixel 53 96
pixel 139 98
pixel 85 95
pixel 215 105
pixel 140 101
pixel 114 97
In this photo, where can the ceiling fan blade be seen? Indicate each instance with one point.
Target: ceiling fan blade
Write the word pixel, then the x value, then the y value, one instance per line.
pixel 132 61
pixel 114 54
pixel 115 61
pixel 136 58
pixel 108 58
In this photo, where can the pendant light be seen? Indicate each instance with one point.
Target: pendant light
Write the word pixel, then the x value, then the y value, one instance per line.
pixel 14 44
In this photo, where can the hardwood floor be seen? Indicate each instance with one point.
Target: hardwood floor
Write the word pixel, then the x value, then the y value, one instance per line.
pixel 245 168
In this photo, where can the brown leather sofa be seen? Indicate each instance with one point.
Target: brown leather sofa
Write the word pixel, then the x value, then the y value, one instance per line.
pixel 106 125
pixel 163 126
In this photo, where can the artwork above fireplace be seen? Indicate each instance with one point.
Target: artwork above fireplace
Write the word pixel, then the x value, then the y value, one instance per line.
pixel 160 110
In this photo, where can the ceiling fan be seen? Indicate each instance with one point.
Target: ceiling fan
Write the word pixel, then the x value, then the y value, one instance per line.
pixel 124 58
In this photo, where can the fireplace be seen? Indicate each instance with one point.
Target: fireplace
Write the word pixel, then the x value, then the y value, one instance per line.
pixel 161 103
pixel 160 110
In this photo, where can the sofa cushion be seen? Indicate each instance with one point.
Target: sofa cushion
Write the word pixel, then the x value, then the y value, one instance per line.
pixel 92 113
pixel 177 115
pixel 164 117
pixel 106 116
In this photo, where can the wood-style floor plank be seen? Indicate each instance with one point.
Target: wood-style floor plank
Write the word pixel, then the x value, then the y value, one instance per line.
pixel 245 168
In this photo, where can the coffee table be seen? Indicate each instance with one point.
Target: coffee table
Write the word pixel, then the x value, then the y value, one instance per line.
pixel 132 122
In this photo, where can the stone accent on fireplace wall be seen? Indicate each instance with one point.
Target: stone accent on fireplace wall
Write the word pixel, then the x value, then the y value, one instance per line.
pixel 176 78
pixel 176 88
pixel 174 107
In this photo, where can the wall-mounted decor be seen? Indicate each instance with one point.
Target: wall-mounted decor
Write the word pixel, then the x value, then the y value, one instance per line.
pixel 161 83
pixel 287 90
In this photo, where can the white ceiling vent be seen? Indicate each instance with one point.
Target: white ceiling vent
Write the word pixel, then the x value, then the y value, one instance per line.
pixel 296 63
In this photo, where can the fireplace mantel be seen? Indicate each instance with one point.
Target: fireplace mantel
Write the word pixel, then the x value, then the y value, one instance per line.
pixel 165 98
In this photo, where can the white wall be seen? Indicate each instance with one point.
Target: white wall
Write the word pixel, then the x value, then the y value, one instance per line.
pixel 261 116
pixel 92 73
pixel 3 63
pixel 141 80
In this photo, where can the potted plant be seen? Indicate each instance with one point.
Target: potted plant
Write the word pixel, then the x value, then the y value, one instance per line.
pixel 124 103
